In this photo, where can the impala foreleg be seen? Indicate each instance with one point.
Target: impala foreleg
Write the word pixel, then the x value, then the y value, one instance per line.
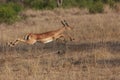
pixel 60 37
pixel 70 37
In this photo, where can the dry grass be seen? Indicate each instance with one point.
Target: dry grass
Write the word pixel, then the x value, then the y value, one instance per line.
pixel 94 55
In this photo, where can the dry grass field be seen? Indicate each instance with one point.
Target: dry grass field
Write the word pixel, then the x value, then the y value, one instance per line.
pixel 93 55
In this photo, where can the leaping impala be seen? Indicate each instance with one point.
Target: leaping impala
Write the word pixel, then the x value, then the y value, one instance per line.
pixel 46 37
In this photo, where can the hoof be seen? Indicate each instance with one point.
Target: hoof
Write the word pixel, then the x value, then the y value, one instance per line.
pixel 73 39
pixel 11 44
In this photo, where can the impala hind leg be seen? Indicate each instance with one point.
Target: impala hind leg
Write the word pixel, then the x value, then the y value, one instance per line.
pixel 12 44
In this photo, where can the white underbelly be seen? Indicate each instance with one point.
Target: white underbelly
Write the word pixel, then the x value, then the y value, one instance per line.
pixel 47 40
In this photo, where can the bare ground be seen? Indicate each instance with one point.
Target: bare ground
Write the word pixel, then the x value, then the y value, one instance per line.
pixel 94 55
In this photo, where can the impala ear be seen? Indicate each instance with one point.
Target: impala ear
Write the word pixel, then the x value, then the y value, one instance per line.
pixel 63 23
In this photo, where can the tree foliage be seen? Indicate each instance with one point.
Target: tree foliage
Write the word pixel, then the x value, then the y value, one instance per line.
pixel 10 9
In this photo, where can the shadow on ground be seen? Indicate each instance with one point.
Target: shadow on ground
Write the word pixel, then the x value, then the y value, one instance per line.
pixel 113 47
pixel 100 63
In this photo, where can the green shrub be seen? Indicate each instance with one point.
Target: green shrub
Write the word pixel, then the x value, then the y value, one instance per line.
pixel 69 3
pixel 96 7
pixel 41 4
pixel 84 3
pixel 111 3
pixel 9 12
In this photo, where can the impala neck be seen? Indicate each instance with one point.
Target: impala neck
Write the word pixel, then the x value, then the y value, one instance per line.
pixel 61 30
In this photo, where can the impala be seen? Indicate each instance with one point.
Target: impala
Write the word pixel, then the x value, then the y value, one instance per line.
pixel 46 37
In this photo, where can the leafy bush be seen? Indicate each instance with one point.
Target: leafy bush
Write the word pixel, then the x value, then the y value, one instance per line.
pixel 97 7
pixel 69 3
pixel 84 3
pixel 111 3
pixel 9 12
pixel 41 4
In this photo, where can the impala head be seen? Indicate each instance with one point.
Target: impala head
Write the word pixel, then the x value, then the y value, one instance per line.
pixel 66 25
